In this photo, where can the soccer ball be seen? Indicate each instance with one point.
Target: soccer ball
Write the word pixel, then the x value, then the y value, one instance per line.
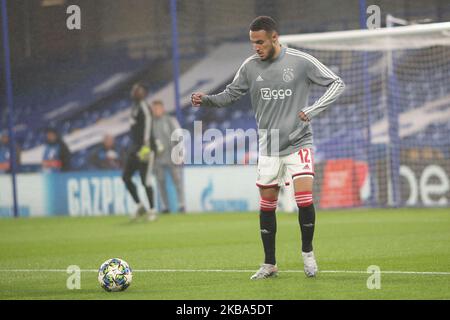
pixel 115 275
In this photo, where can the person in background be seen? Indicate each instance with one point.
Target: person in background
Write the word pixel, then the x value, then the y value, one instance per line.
pixel 106 156
pixel 163 127
pixel 56 153
pixel 5 154
pixel 140 153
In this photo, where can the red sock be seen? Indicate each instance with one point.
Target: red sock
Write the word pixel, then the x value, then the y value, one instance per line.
pixel 304 198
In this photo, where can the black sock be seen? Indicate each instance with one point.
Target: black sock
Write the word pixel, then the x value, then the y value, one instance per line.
pixel 307 220
pixel 131 189
pixel 149 191
pixel 268 224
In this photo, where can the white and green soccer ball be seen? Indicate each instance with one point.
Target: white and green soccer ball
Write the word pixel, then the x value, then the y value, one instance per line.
pixel 115 275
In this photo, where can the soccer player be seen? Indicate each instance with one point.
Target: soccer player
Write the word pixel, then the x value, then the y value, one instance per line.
pixel 279 80
pixel 140 155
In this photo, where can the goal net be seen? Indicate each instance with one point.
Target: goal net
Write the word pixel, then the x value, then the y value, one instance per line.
pixel 386 141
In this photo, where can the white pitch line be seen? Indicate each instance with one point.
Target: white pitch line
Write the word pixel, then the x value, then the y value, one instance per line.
pixel 232 271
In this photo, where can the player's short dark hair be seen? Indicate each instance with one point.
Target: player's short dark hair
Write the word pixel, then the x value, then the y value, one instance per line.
pixel 51 129
pixel 141 85
pixel 160 102
pixel 265 23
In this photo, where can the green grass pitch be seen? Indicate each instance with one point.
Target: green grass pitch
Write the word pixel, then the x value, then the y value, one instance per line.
pixel 402 240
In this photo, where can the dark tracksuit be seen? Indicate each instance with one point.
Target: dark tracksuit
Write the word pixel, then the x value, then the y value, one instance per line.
pixel 141 134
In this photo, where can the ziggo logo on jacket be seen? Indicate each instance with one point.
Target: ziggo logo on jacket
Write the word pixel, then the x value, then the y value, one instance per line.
pixel 269 94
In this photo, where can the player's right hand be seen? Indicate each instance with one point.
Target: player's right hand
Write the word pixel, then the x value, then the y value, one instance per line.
pixel 196 99
pixel 303 116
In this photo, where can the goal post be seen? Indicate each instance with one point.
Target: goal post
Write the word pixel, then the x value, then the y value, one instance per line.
pixel 382 39
pixel 393 119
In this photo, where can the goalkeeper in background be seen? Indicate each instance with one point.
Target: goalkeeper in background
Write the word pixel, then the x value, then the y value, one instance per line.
pixel 279 80
pixel 140 154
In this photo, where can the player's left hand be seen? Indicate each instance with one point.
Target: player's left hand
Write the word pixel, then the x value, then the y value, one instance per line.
pixel 159 146
pixel 303 116
pixel 144 153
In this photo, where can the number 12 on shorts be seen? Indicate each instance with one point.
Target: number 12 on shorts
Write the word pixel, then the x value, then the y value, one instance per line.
pixel 305 155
